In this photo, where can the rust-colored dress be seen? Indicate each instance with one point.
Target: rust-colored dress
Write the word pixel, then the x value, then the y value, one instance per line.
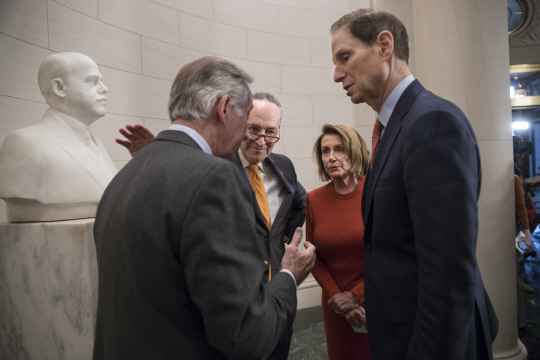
pixel 334 225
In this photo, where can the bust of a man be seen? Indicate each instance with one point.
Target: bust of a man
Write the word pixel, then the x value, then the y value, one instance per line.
pixel 55 169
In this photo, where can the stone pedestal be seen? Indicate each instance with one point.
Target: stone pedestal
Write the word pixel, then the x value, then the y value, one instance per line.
pixel 48 290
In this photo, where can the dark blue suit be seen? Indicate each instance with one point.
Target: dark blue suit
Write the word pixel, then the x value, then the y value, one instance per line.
pixel 424 294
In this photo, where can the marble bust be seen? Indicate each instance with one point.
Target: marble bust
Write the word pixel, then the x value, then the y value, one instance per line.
pixel 55 169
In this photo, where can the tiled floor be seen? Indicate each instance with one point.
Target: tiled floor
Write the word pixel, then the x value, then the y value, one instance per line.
pixel 310 343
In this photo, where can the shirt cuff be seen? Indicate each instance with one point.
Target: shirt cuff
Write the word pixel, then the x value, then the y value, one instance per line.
pixel 290 273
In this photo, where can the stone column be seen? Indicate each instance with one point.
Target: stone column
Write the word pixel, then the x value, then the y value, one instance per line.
pixel 462 54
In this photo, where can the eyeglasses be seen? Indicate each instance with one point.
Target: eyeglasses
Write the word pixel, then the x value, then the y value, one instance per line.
pixel 268 138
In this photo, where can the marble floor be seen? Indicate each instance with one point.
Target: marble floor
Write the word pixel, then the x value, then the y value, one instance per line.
pixel 310 343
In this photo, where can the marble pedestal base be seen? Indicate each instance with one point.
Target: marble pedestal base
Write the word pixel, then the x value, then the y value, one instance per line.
pixel 48 290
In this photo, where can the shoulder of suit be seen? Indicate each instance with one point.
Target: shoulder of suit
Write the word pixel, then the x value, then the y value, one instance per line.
pixel 281 160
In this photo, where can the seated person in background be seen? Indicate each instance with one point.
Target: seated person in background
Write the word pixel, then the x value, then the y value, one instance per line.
pixel 334 225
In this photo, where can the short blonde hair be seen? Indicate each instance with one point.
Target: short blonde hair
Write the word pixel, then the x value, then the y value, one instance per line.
pixel 354 145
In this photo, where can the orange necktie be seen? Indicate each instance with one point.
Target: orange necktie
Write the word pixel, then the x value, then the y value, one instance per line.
pixel 377 130
pixel 260 193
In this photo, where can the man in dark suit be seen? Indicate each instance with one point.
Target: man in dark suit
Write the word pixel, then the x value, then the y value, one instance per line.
pixel 281 202
pixel 179 270
pixel 285 205
pixel 424 294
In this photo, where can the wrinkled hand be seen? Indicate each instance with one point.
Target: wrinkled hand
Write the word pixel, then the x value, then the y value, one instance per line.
pixel 137 137
pixel 299 263
pixel 356 317
pixel 343 302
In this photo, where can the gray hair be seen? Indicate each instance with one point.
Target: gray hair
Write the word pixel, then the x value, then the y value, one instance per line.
pixel 367 24
pixel 200 83
pixel 271 99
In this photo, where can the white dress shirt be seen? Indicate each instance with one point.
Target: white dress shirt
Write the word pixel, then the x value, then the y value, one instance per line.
pixel 390 104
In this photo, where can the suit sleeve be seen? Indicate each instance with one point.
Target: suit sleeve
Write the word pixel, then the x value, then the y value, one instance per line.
pixel 298 207
pixel 442 177
pixel 223 265
pixel 320 271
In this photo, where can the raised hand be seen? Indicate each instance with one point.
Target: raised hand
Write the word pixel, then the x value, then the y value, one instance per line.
pixel 299 263
pixel 137 137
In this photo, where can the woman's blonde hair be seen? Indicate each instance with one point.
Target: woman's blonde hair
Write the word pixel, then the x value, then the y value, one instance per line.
pixel 354 145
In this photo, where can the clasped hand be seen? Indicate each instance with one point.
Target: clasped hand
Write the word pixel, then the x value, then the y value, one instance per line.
pixel 346 304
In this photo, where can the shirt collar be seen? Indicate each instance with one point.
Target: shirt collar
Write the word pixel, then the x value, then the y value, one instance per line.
pixel 390 103
pixel 194 135
pixel 246 163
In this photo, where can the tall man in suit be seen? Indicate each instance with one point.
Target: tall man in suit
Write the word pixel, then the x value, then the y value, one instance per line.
pixel 283 210
pixel 424 294
pixel 281 201
pixel 179 269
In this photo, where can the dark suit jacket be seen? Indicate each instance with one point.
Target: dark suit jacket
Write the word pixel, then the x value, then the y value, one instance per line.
pixel 179 267
pixel 291 214
pixel 424 294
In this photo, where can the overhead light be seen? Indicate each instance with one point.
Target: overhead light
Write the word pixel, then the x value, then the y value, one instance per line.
pixel 512 94
pixel 520 125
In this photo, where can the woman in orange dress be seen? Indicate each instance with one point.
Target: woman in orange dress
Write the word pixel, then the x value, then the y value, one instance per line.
pixel 334 225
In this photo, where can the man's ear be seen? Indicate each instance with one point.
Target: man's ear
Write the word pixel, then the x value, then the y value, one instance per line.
pixel 59 87
pixel 385 39
pixel 223 108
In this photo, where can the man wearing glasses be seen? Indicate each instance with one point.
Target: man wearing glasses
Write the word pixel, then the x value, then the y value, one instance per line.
pixel 285 205
pixel 281 199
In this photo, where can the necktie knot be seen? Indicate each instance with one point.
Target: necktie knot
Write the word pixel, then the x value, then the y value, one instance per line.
pixel 254 168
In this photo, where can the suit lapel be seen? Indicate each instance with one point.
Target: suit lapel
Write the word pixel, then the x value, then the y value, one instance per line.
pixel 387 141
pixel 271 162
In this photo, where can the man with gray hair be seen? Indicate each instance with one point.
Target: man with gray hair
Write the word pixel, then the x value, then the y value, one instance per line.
pixel 180 266
pixel 281 199
pixel 424 295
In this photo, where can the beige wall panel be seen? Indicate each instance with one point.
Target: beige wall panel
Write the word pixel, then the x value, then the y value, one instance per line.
pixel 18 113
pixel 279 49
pixel 359 4
pixel 306 23
pixel 86 7
pixel 266 76
pixel 25 20
pixel 297 110
pixel 341 111
pixel 163 60
pixel 202 8
pixel 208 36
pixel 290 3
pixel 366 133
pixel 104 43
pixel 343 6
pixel 247 14
pixel 306 173
pixel 298 141
pixel 157 125
pixel 476 54
pixel 3 214
pixel 136 95
pixel 298 80
pixel 525 55
pixel 141 17
pixel 321 53
pixel 106 130
pixel 498 222
pixel 20 63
